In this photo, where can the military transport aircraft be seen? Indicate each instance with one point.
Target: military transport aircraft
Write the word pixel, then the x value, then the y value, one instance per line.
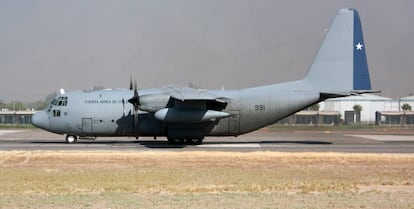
pixel 188 115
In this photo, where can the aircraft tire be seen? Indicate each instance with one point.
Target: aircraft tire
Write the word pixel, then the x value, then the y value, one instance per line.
pixel 175 141
pixel 71 139
pixel 194 141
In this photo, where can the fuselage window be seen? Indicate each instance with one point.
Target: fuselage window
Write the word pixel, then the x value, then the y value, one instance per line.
pixel 56 113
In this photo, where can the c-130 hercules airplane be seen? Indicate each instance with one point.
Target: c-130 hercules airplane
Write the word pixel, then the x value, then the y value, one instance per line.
pixel 185 114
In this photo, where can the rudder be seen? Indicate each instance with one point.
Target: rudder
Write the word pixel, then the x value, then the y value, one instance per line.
pixel 361 74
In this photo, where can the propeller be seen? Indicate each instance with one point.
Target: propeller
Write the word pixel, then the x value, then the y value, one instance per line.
pixel 135 102
pixel 135 99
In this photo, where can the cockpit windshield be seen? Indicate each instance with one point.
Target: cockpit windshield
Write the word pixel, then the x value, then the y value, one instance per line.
pixel 60 101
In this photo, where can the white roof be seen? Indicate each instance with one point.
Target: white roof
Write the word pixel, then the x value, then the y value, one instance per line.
pixel 408 98
pixel 362 97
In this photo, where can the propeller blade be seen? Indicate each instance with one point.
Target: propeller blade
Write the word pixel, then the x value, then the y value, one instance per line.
pixel 130 83
pixel 135 88
pixel 135 99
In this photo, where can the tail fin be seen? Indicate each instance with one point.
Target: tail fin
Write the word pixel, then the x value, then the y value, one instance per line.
pixel 341 63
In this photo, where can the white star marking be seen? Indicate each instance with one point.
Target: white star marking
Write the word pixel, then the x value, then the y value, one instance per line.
pixel 359 46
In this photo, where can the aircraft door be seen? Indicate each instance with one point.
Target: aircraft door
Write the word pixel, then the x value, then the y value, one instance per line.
pixel 87 125
pixel 234 122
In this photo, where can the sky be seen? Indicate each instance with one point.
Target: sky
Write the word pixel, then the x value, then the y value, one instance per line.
pixel 46 45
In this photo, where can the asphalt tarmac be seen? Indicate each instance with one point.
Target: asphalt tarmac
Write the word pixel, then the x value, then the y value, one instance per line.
pixel 262 140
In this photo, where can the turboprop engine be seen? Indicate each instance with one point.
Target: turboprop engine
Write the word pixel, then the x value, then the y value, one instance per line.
pixel 153 103
pixel 188 115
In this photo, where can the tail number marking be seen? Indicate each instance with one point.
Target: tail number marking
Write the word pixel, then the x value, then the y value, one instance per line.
pixel 259 107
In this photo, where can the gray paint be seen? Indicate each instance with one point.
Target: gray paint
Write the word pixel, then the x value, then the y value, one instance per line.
pixel 339 36
pixel 188 113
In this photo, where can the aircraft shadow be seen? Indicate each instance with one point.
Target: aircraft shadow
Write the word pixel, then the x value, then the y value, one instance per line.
pixel 164 144
pixel 295 142
pixel 84 142
pixel 167 145
pixel 148 144
pixel 161 144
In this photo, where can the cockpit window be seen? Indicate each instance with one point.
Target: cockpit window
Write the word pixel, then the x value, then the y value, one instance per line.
pixel 60 101
pixel 53 102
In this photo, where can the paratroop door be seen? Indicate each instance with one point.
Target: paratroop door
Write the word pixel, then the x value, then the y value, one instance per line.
pixel 234 122
pixel 87 125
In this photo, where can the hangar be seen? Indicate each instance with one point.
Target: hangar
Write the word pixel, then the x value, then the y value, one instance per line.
pixel 369 104
pixel 15 117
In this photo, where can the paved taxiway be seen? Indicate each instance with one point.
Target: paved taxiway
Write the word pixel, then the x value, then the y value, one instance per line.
pixel 286 141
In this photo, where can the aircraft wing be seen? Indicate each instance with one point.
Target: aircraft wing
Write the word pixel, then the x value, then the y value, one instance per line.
pixel 192 106
pixel 182 97
pixel 184 94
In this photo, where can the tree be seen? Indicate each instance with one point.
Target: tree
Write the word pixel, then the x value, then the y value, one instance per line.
pixel 314 107
pixel 1 103
pixel 406 107
pixel 357 109
pixel 16 106
pixel 42 104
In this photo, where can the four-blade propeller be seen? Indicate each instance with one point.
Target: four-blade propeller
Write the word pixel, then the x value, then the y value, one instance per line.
pixel 135 99
pixel 135 102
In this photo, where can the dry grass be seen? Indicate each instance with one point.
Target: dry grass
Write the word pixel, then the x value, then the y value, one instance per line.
pixel 185 172
pixel 209 175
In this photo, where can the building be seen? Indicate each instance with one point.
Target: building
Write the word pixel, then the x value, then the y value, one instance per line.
pixel 394 118
pixel 312 118
pixel 15 117
pixel 407 100
pixel 370 105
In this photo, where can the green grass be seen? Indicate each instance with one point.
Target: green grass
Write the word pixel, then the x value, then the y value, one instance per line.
pixel 16 126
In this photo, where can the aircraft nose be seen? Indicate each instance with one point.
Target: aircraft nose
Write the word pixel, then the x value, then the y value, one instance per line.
pixel 40 120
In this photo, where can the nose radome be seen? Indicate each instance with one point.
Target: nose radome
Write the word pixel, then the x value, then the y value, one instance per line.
pixel 40 120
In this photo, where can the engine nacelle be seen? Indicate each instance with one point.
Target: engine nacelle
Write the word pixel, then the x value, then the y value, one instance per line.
pixel 188 115
pixel 154 102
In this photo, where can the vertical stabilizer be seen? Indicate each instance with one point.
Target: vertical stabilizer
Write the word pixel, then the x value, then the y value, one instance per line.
pixel 341 62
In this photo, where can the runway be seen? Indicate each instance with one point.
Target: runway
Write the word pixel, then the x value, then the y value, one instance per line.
pixel 286 141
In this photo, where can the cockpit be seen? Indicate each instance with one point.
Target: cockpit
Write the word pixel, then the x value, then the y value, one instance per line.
pixel 57 102
pixel 51 117
pixel 60 101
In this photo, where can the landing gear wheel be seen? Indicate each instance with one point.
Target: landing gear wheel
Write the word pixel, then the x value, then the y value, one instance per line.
pixel 175 141
pixel 194 141
pixel 71 139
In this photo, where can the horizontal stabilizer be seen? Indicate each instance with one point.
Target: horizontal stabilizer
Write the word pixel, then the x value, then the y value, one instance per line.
pixel 329 95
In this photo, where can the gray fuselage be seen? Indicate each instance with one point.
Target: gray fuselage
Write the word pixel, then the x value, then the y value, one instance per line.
pixel 108 113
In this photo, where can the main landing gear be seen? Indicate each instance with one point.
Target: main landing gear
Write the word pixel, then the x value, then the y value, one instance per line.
pixel 71 139
pixel 187 141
